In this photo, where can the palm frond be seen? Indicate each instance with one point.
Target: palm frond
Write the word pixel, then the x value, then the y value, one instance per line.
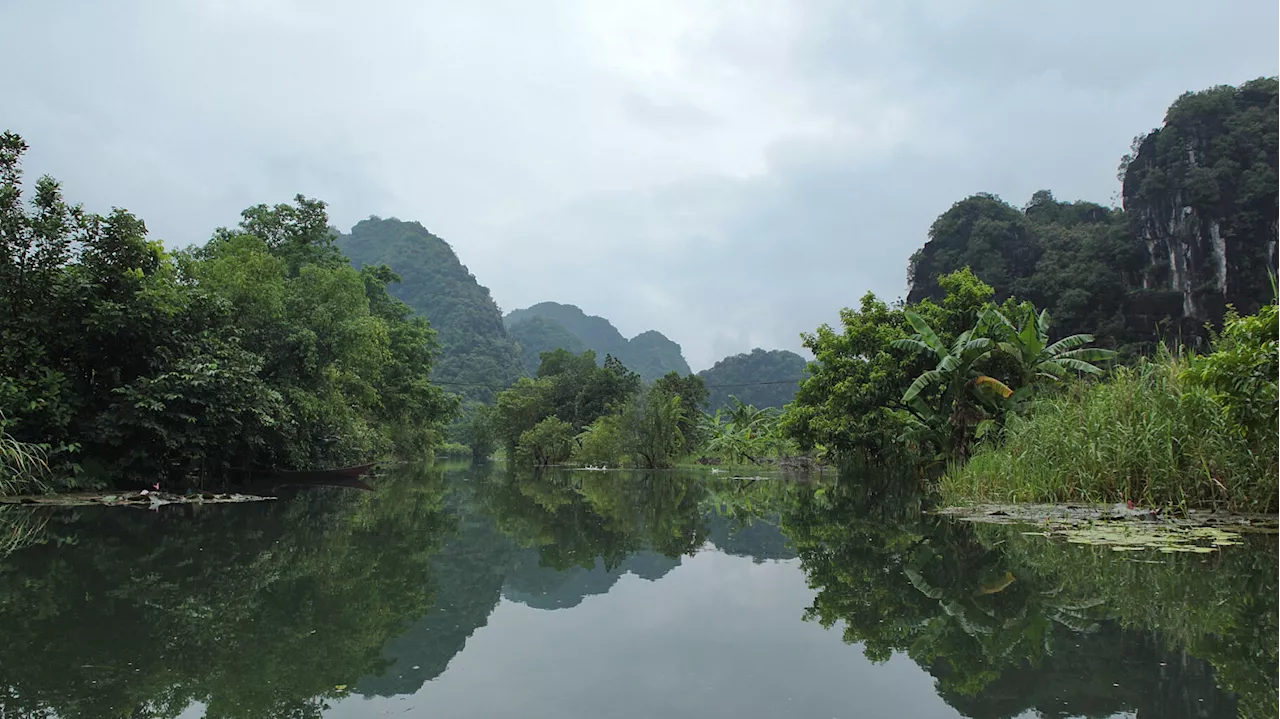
pixel 922 383
pixel 1043 322
pixel 914 345
pixel 926 332
pixel 1075 364
pixel 1089 354
pixel 1067 343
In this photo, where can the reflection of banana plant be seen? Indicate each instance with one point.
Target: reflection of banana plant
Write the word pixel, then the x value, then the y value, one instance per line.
pixel 1003 623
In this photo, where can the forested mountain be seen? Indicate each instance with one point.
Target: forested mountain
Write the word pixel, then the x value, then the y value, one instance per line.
pixel 650 354
pixel 539 334
pixel 744 376
pixel 1198 230
pixel 474 347
pixel 1201 194
pixel 1075 258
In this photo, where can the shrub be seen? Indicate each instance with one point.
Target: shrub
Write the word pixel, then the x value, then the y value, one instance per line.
pixel 601 443
pixel 548 442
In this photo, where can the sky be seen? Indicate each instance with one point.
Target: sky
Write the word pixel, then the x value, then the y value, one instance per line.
pixel 728 173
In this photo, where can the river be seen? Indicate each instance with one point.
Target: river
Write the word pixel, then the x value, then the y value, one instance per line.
pixel 460 591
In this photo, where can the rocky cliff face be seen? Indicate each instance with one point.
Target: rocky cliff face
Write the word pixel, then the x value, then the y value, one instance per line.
pixel 1201 196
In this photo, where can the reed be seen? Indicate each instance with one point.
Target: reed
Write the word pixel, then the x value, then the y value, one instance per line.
pixel 1146 435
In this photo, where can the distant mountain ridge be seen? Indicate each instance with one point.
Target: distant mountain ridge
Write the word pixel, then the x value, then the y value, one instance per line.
pixel 481 351
pixel 650 354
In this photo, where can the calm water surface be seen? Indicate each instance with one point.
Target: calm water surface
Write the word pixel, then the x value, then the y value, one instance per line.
pixel 477 592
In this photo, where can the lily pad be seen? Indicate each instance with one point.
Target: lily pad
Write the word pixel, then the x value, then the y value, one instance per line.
pixel 1118 527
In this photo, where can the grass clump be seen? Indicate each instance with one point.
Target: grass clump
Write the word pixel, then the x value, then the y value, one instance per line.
pixel 1151 434
pixel 23 466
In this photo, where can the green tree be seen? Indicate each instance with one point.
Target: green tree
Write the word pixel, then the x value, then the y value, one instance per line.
pixel 651 423
pixel 1241 371
pixel 851 404
pixel 548 442
pixel 692 391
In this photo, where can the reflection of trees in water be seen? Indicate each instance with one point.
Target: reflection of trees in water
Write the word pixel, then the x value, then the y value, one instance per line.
pixel 256 610
pixel 1007 623
pixel 265 609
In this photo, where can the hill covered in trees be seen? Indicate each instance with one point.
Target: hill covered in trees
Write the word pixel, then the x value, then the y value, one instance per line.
pixel 763 378
pixel 650 354
pixel 539 334
pixel 475 352
pixel 1197 232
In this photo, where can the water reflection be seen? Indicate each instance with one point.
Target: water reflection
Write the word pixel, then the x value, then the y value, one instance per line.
pixel 334 599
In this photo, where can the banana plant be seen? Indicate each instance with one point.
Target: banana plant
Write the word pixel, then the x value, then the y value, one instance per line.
pixel 965 390
pixel 1027 343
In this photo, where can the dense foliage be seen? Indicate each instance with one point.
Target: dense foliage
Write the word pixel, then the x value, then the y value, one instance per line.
pixel 1076 259
pixel 576 412
pixel 537 335
pixel 569 388
pixel 475 352
pixel 916 381
pixel 1193 433
pixel 263 347
pixel 763 378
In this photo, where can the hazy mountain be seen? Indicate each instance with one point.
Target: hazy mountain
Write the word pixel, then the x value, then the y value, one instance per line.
pixel 764 378
pixel 650 354
pixel 536 335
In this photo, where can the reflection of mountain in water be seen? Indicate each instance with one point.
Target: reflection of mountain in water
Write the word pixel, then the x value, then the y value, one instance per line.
pixel 480 565
pixel 760 539
pixel 469 574
pixel 534 585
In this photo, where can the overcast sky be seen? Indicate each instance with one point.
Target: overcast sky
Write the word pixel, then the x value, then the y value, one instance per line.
pixel 730 173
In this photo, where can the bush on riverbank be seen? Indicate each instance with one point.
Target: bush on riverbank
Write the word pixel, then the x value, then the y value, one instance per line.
pixel 1152 434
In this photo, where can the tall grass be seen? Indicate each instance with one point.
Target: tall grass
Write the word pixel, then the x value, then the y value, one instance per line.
pixel 23 466
pixel 1146 435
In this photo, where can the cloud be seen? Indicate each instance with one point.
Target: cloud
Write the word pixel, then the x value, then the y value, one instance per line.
pixel 729 174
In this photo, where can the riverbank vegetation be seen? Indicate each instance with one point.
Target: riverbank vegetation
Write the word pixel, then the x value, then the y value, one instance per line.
pixel 604 416
pixel 1192 431
pixel 1073 352
pixel 263 347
